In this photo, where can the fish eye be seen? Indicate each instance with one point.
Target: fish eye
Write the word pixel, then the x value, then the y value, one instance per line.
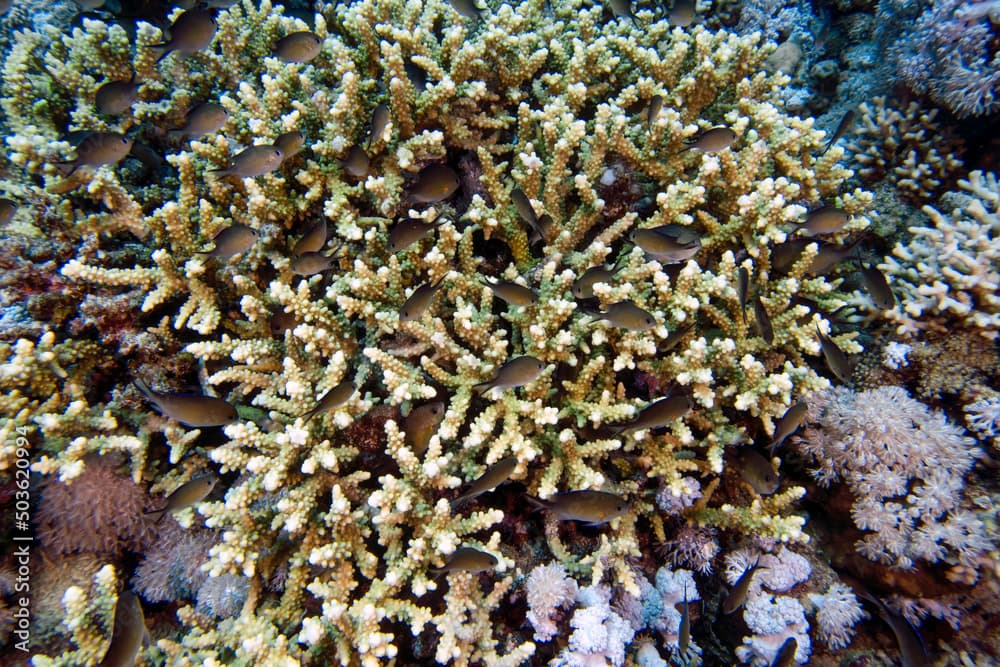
pixel 277 152
pixel 435 410
pixel 649 320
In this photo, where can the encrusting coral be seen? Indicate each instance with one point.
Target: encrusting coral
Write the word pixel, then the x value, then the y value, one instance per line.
pixel 529 97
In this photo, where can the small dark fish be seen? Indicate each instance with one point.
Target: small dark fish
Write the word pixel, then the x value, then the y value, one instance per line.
pixel 98 149
pixel 194 410
pixel 785 656
pixel 512 293
pixel 764 326
pixel 738 595
pixel 824 220
pixel 830 256
pixel 912 651
pixel 713 140
pixel 788 424
pixel 743 290
pixel 254 161
pixel 524 208
pixel 583 287
pixel 357 162
pixel 7 210
pixel 331 400
pixel 419 301
pixel 682 13
pixel 313 240
pixel 590 507
pixel 495 475
pixel 192 31
pixel 311 263
pixel 842 127
pixel 527 213
pixel 667 244
pixel 380 119
pixel 281 322
pixel 653 110
pixel 758 472
pixel 515 373
pixel 421 424
pixel 435 183
pixel 626 315
pixel 878 288
pixel 657 414
pixel 233 240
pixel 127 633
pixel 203 119
pixel 684 632
pixel 116 97
pixel 418 77
pixel 836 359
pixel 298 47
pixel 149 158
pixel 466 8
pixel 290 143
pixel 466 559
pixel 407 232
pixel 187 494
pixel 545 224
pixel 622 9
pixel 784 256
pixel 675 337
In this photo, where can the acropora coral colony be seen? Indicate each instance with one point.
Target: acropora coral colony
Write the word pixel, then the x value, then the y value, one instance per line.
pixel 330 536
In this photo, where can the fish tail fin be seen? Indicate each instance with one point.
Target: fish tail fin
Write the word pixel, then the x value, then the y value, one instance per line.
pixel 143 388
pixel 459 502
pixel 537 503
pixel 212 175
pixel 66 169
pixel 163 48
pixel 176 135
pixel 162 513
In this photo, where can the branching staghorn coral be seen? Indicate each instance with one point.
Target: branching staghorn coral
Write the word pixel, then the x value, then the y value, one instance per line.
pixel 536 102
pixel 907 147
pixel 946 274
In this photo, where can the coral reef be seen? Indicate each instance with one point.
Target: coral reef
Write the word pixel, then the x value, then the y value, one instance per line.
pixel 526 144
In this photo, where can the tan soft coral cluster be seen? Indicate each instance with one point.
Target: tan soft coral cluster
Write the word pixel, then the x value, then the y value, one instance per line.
pixel 542 103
